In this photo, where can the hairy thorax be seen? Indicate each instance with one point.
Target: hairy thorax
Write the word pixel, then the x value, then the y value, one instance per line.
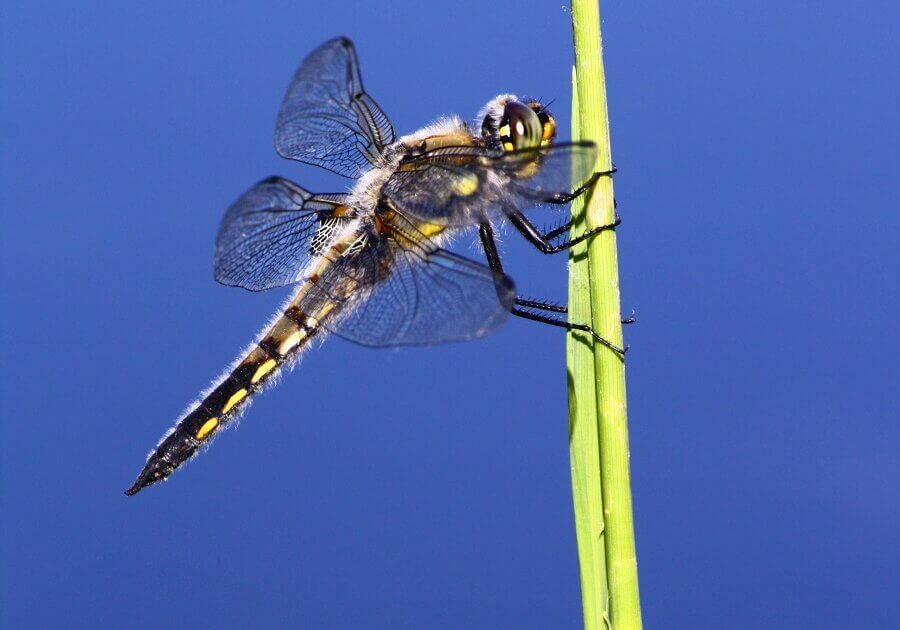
pixel 366 198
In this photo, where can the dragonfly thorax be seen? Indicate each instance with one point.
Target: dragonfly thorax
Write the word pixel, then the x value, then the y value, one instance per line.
pixel 366 192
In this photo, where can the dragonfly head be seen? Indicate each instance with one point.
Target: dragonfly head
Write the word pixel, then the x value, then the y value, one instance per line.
pixel 514 125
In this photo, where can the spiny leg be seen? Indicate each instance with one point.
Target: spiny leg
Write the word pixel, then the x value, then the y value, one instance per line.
pixel 555 232
pixel 493 258
pixel 546 319
pixel 542 241
pixel 541 306
pixel 556 308
pixel 562 229
pixel 564 198
pixel 565 227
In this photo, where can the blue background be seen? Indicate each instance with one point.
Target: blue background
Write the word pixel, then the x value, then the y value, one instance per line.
pixel 758 148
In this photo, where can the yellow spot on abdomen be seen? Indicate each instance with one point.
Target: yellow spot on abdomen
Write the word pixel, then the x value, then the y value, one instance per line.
pixel 263 369
pixel 290 341
pixel 207 428
pixel 236 397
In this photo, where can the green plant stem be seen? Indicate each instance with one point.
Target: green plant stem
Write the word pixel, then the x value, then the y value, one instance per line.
pixel 609 370
pixel 584 443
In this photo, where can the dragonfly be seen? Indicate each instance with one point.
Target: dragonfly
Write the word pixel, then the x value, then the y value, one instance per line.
pixel 370 265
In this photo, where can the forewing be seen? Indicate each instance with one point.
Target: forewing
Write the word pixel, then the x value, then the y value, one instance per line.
pixel 268 235
pixel 326 117
pixel 468 184
pixel 545 174
pixel 408 291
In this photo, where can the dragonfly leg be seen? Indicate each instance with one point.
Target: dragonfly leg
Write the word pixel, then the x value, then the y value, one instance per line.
pixel 547 319
pixel 543 241
pixel 556 308
pixel 541 306
pixel 564 198
pixel 555 232
pixel 565 227
pixel 525 308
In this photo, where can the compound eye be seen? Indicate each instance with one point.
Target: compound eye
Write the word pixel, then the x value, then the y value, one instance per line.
pixel 520 128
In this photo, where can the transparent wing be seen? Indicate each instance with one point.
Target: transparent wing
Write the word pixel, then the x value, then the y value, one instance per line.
pixel 466 185
pixel 405 290
pixel 326 118
pixel 269 234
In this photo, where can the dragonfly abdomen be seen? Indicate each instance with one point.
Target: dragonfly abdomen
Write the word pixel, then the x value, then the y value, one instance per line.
pixel 278 346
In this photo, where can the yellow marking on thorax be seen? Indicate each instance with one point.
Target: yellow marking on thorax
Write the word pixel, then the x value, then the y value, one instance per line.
pixel 236 397
pixel 465 185
pixel 207 428
pixel 263 369
pixel 384 226
pixel 455 139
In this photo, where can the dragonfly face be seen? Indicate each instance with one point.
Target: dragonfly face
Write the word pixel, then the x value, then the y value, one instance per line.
pixel 368 264
pixel 512 125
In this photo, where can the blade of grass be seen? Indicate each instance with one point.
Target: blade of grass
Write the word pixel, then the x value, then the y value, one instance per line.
pixel 584 443
pixel 609 370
